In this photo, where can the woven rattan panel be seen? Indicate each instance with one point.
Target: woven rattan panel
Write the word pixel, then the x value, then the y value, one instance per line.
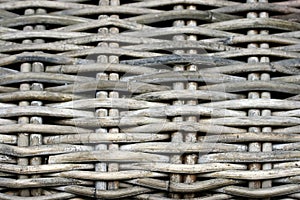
pixel 153 99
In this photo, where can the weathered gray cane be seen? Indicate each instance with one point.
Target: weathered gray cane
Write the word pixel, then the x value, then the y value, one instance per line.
pixel 153 99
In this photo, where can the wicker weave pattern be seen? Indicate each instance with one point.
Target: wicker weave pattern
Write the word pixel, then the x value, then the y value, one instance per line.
pixel 168 99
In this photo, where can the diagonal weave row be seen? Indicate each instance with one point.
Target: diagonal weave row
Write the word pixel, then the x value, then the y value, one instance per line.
pixel 169 99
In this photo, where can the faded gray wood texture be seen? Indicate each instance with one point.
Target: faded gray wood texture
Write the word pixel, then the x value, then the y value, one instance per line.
pixel 148 99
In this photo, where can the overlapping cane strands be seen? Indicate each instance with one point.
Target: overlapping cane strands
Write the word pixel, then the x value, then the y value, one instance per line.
pixel 149 99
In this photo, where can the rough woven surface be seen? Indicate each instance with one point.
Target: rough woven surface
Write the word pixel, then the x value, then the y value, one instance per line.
pixel 153 99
